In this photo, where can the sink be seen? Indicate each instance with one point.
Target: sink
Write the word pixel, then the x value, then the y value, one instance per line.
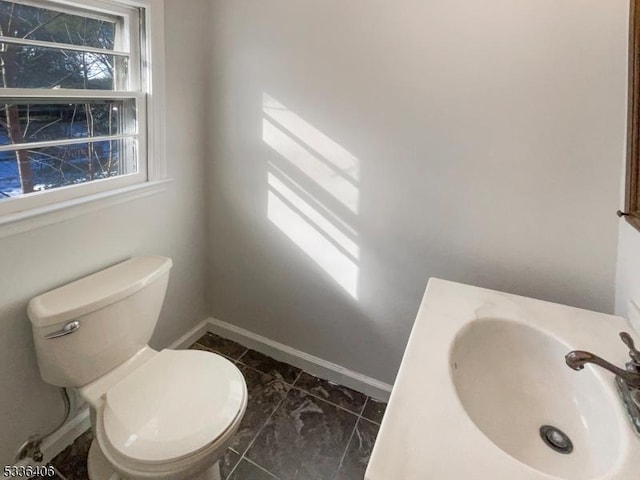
pixel 483 392
pixel 512 379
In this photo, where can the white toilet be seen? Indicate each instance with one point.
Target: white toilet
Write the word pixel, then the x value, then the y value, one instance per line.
pixel 155 415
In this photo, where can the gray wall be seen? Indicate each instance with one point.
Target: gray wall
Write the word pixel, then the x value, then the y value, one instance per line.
pixel 628 275
pixel 169 224
pixel 474 141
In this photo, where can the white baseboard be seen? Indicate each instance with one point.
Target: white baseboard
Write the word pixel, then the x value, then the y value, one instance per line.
pixel 62 438
pixel 191 336
pixel 310 363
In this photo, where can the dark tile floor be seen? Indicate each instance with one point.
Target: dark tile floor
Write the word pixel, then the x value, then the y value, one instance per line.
pixel 296 427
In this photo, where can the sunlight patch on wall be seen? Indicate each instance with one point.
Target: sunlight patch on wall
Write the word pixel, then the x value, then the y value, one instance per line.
pixel 314 217
pixel 307 219
pixel 327 246
pixel 316 155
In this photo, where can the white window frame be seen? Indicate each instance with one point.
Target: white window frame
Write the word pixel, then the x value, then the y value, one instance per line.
pixel 146 88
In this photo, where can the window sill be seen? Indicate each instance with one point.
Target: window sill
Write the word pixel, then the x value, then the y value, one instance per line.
pixel 16 223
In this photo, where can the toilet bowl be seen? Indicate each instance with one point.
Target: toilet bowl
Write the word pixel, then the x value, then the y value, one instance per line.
pixel 157 423
pixel 155 415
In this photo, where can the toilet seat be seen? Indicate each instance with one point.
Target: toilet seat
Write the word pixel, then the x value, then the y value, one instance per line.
pixel 177 406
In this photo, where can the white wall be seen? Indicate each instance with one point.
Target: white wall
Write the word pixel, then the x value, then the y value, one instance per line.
pixel 169 224
pixel 628 275
pixel 627 286
pixel 478 141
pixel 481 140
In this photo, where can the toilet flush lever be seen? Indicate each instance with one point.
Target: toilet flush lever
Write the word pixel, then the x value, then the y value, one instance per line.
pixel 66 330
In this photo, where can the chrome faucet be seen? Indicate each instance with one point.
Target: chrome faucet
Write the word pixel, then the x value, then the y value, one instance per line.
pixel 627 380
pixel 578 358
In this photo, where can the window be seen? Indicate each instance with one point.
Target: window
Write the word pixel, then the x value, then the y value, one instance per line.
pixel 632 207
pixel 73 100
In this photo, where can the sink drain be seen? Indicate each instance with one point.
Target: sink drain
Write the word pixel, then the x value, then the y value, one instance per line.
pixel 556 439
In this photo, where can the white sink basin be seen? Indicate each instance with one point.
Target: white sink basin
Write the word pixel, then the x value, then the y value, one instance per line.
pixel 512 379
pixel 483 372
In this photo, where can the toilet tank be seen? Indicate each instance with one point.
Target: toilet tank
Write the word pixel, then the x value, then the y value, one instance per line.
pixel 86 328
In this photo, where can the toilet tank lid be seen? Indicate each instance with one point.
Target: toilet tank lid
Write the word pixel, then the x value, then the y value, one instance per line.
pixel 96 291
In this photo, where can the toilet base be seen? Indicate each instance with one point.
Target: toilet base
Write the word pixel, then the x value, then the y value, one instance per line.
pixel 100 469
pixel 97 465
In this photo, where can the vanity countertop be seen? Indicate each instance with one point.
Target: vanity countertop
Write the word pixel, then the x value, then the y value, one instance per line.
pixel 426 432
